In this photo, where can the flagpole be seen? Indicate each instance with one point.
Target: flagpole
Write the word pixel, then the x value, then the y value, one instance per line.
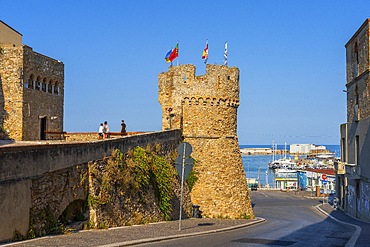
pixel 225 54
pixel 206 60
pixel 178 48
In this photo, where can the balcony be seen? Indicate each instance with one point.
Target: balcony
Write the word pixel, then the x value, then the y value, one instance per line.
pixel 353 171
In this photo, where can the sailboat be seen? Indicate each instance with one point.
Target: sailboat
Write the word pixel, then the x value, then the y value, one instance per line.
pixel 282 162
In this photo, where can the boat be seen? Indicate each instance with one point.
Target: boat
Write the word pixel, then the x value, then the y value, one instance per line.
pixel 282 162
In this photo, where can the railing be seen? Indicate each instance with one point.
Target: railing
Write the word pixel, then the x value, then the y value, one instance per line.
pixel 84 136
pixel 55 135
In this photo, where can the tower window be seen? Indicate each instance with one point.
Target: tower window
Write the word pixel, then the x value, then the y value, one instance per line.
pixel 356 61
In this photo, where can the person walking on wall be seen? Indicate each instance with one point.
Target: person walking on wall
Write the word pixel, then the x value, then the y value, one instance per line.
pixel 101 128
pixel 123 128
pixel 106 129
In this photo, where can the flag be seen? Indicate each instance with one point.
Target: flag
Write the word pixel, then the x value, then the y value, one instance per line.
pixel 167 57
pixel 172 54
pixel 225 54
pixel 175 53
pixel 205 53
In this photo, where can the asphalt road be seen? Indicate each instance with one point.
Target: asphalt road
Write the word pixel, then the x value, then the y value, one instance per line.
pixel 290 221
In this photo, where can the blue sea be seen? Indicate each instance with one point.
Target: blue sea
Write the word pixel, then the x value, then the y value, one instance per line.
pixel 252 163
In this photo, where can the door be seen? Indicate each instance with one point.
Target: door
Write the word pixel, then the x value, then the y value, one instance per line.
pixel 42 128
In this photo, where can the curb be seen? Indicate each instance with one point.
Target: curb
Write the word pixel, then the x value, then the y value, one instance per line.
pixel 157 239
pixel 352 241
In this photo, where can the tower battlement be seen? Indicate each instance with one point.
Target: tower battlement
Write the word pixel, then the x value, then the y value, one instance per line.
pixel 219 87
pixel 219 81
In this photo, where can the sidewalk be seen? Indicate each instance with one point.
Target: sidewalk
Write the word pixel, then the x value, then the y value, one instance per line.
pixel 129 235
pixel 361 237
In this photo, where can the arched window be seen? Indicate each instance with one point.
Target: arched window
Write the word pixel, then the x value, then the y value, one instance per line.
pixel 44 85
pixel 356 61
pixel 31 81
pixel 56 88
pixel 50 86
pixel 38 83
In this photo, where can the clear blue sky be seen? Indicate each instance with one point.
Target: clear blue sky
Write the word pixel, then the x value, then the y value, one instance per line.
pixel 290 54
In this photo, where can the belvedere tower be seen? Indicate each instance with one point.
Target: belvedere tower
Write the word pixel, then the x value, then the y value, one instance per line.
pixel 205 109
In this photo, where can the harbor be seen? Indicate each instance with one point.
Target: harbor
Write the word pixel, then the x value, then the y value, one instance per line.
pixel 302 167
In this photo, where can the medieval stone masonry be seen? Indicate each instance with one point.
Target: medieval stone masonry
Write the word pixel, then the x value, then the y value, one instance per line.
pixel 353 173
pixel 32 89
pixel 205 108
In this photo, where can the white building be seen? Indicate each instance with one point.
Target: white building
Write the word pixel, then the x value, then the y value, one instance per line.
pixel 306 148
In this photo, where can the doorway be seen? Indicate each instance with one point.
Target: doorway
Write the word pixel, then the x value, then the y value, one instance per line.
pixel 42 128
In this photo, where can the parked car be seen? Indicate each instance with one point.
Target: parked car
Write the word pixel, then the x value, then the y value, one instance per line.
pixel 333 200
pixel 254 186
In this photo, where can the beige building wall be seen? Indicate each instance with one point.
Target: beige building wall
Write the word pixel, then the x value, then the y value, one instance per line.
pixel 9 36
pixel 11 100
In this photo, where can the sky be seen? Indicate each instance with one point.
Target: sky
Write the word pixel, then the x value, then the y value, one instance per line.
pixel 290 54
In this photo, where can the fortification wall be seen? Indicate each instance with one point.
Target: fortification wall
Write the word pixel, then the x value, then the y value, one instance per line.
pixel 52 176
pixel 205 108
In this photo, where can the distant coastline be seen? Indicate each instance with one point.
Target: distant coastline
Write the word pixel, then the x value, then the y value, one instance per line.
pixel 280 149
pixel 262 151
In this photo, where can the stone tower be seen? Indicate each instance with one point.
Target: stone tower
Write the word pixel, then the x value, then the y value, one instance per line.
pixel 31 89
pixel 205 108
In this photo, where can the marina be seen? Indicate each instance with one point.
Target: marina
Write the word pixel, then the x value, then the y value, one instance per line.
pixel 280 169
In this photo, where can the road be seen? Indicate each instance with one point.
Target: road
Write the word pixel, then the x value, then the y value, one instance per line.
pixel 290 221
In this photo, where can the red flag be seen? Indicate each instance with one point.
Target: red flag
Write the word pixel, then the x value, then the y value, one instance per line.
pixel 175 53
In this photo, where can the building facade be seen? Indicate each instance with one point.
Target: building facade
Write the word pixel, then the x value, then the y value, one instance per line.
pixel 31 89
pixel 205 109
pixel 353 172
pixel 306 149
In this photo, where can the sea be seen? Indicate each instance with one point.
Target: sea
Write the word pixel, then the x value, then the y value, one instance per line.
pixel 257 165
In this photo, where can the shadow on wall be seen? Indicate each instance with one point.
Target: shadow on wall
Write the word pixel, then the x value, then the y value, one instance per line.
pixel 3 134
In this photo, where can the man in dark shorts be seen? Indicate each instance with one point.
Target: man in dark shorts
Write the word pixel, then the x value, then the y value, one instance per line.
pixel 123 127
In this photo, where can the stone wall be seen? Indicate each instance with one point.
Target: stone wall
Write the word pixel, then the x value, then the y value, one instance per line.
pixel 119 200
pixel 45 99
pixel 11 90
pixel 32 88
pixel 93 136
pixel 354 192
pixel 358 65
pixel 205 108
pixel 52 192
pixel 42 180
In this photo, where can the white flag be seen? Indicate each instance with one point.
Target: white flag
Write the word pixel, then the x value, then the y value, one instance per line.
pixel 225 54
